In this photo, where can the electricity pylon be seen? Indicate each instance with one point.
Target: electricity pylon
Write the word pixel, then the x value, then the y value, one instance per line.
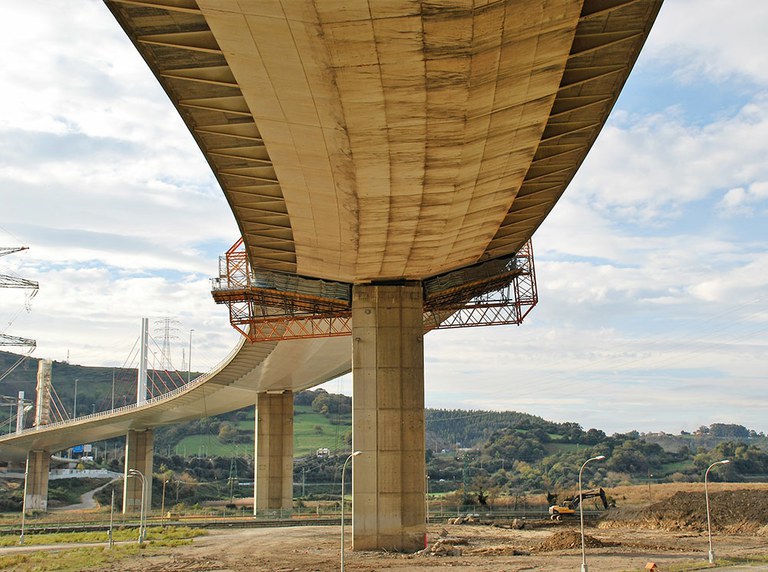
pixel 9 281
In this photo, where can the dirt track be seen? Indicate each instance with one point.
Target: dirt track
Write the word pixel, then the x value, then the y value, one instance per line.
pixel 483 547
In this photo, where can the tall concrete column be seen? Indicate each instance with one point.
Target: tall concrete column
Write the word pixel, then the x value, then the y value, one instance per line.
pixel 139 450
pixel 388 483
pixel 38 467
pixel 273 482
pixel 43 403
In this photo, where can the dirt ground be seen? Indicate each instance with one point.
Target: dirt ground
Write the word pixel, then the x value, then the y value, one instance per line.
pixel 670 529
pixel 482 547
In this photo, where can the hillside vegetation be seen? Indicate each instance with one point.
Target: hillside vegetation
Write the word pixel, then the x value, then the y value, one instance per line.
pixel 478 455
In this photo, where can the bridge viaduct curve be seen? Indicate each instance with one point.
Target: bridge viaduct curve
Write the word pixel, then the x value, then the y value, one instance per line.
pixel 377 144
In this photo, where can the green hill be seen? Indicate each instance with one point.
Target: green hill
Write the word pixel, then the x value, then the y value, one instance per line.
pixel 490 450
pixel 311 431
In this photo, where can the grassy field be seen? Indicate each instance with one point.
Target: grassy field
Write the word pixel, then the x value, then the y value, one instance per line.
pixel 552 448
pixel 311 431
pixel 210 446
pixel 86 558
pixel 680 466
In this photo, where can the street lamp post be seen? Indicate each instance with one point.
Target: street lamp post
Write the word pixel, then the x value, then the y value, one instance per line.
pixel 162 504
pixel 706 497
pixel 581 513
pixel 343 470
pixel 74 405
pixel 426 504
pixel 111 519
pixel 24 501
pixel 138 473
pixel 189 361
pixel 650 496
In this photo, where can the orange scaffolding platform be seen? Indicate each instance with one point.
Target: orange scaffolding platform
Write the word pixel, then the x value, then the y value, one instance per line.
pixel 271 306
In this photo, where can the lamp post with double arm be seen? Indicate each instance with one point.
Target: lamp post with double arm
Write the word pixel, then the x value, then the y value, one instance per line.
pixel 142 513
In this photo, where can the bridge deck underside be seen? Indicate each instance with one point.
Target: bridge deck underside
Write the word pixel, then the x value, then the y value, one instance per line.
pixel 250 370
pixel 375 141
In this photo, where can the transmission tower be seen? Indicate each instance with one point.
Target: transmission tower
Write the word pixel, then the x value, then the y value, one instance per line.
pixel 10 281
pixel 169 331
pixel 232 477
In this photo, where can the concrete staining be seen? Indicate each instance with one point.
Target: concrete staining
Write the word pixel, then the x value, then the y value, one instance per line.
pixel 368 141
pixel 139 449
pixel 273 483
pixel 400 132
pixel 389 477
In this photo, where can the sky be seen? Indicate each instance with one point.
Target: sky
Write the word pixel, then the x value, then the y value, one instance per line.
pixel 652 269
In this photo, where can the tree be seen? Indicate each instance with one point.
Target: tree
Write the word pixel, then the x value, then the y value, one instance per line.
pixel 227 433
pixel 729 430
pixel 332 404
pixel 593 437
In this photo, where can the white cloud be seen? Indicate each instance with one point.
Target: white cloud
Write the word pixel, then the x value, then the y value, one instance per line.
pixel 744 282
pixel 652 269
pixel 741 201
pixel 101 179
pixel 712 38
pixel 644 170
pixel 94 315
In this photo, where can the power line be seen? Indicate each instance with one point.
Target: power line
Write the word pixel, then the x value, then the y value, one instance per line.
pixel 13 281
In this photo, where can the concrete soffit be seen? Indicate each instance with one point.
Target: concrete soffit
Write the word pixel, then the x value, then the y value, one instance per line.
pixel 199 75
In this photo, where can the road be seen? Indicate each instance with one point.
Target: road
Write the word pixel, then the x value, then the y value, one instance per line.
pixel 86 500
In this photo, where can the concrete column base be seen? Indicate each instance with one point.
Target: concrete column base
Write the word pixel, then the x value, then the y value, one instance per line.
pixel 38 468
pixel 388 482
pixel 139 450
pixel 273 452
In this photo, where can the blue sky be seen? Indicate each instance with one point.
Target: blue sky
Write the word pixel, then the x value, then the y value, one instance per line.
pixel 652 269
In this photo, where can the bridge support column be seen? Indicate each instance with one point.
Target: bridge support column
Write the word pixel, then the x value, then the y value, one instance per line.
pixel 273 482
pixel 36 490
pixel 139 450
pixel 388 483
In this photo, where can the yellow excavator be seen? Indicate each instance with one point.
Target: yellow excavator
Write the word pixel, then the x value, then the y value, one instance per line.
pixel 556 511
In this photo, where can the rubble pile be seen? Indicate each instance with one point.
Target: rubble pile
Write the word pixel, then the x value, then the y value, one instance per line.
pixel 567 539
pixel 740 510
pixel 445 547
pixel 469 519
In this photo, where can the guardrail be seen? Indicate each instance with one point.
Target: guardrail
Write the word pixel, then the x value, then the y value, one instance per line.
pixel 266 519
pixel 134 406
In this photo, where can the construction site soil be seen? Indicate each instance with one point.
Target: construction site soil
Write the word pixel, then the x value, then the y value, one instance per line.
pixel 669 532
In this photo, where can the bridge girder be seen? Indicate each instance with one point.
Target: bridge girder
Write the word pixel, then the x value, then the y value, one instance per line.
pixel 389 141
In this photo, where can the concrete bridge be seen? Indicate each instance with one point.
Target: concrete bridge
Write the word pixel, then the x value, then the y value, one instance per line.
pixel 387 163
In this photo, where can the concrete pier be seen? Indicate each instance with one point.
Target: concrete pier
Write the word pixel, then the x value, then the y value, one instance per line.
pixel 38 467
pixel 388 417
pixel 273 482
pixel 139 449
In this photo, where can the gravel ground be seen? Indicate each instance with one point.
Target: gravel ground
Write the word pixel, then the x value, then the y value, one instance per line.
pixel 553 548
